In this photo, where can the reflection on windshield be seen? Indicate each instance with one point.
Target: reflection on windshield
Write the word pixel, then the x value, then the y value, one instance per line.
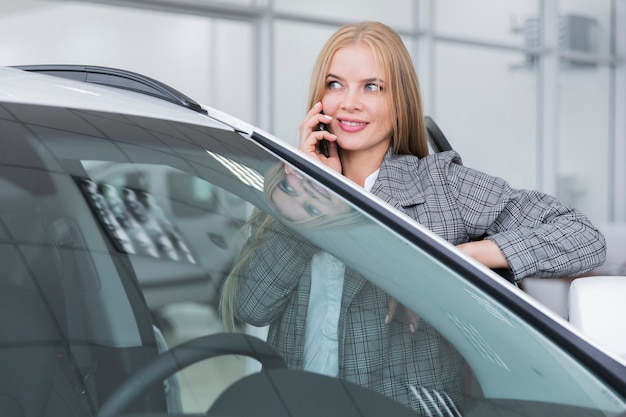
pixel 134 221
pixel 323 315
pixel 299 199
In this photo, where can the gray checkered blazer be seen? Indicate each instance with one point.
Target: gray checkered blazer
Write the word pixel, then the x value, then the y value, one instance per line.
pixel 537 234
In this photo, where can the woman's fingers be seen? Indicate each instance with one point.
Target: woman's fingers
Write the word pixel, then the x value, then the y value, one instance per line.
pixel 411 317
pixel 311 137
pixel 310 132
pixel 392 306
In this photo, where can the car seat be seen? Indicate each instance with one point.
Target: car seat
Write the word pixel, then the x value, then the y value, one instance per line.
pixel 436 139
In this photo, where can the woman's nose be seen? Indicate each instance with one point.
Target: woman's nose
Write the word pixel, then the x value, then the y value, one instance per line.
pixel 351 100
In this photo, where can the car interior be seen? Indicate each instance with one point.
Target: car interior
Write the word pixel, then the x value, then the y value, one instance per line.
pixel 53 289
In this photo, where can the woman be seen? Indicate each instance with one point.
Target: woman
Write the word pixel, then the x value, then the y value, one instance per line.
pixel 323 316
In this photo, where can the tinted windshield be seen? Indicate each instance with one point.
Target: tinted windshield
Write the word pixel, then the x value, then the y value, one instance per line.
pixel 112 224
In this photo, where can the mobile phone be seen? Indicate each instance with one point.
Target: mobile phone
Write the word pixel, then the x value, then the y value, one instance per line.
pixel 322 145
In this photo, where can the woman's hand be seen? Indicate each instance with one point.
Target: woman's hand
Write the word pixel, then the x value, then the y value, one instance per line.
pixel 410 316
pixel 310 135
pixel 486 252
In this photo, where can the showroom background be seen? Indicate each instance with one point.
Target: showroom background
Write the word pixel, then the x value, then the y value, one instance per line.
pixel 530 90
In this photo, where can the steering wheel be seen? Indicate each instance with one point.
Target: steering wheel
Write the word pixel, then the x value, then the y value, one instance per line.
pixel 182 356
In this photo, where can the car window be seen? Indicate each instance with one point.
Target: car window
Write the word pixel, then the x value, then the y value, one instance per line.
pixel 129 222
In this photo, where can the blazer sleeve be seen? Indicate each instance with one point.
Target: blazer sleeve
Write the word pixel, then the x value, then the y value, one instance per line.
pixel 537 234
pixel 270 275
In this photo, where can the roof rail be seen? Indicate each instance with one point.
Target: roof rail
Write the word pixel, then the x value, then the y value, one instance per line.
pixel 114 77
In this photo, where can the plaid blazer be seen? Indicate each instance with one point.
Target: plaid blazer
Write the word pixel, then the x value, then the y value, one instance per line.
pixel 537 234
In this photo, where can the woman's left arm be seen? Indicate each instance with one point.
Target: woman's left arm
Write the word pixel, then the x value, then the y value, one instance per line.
pixel 529 232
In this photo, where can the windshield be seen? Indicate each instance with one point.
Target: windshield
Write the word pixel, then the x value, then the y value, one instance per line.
pixel 126 236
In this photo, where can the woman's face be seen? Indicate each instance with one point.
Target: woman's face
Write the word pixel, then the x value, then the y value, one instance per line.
pixel 356 98
pixel 299 199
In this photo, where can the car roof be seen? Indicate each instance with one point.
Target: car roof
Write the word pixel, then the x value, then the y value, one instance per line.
pixel 32 87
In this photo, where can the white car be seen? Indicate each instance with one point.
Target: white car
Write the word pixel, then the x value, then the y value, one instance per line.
pixel 113 185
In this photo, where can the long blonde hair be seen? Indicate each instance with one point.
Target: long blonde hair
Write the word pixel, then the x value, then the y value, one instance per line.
pixel 409 132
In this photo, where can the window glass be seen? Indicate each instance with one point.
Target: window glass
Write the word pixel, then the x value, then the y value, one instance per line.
pixel 510 22
pixel 96 189
pixel 486 107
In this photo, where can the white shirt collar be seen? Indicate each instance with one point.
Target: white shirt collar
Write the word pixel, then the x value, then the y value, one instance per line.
pixel 369 181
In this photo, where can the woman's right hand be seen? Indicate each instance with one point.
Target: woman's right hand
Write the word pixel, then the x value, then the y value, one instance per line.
pixel 310 136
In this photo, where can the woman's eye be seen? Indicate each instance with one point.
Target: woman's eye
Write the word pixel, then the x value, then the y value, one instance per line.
pixel 285 187
pixel 333 85
pixel 312 210
pixel 371 87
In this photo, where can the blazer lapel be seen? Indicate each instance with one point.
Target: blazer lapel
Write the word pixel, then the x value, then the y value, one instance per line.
pixel 398 181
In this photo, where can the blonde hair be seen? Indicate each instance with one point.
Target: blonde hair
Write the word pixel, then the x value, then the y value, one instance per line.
pixel 409 131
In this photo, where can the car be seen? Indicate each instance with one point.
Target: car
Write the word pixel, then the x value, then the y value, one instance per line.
pixel 114 185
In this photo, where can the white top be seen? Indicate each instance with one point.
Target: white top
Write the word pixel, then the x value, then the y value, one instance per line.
pixel 321 348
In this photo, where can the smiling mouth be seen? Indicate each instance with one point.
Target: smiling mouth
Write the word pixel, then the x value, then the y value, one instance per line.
pixel 352 124
pixel 319 190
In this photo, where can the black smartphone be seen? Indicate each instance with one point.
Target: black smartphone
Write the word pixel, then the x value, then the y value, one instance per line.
pixel 322 145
